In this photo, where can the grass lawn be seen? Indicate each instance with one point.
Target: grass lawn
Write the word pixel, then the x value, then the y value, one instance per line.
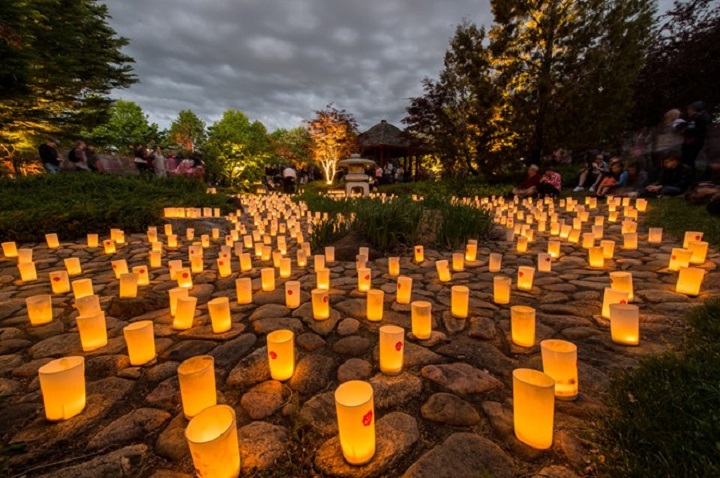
pixel 675 216
pixel 664 416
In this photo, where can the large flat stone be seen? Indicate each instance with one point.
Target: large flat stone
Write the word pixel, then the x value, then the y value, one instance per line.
pixel 461 378
pixel 463 454
pixel 395 433
pixel 123 463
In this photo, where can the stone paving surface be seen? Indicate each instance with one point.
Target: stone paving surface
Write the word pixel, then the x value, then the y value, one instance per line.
pixel 449 413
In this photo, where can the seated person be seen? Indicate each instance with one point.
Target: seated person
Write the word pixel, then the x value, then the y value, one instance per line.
pixel 616 178
pixel 550 183
pixel 592 173
pixel 707 187
pixel 637 179
pixel 528 186
pixel 674 179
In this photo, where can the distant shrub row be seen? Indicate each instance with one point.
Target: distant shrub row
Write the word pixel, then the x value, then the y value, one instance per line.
pixel 73 205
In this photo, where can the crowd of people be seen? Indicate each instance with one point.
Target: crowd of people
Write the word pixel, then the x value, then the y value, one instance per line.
pixel 669 168
pixel 288 177
pixel 148 161
pixel 390 173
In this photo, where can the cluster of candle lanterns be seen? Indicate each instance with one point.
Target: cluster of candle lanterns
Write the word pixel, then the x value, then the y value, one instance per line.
pixel 211 433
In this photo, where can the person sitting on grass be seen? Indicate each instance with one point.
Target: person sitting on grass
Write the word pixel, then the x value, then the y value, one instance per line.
pixel 593 172
pixel 528 186
pixel 615 179
pixel 550 183
pixel 674 179
pixel 636 181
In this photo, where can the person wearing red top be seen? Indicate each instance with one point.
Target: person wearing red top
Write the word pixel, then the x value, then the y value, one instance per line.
pixel 550 184
pixel 528 186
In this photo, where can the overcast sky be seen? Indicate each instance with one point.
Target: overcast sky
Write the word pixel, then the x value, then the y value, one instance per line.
pixel 280 60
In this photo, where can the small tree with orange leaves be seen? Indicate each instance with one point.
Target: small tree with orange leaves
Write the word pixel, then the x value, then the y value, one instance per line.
pixel 333 136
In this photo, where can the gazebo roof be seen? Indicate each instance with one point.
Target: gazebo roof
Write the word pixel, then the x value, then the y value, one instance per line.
pixel 384 134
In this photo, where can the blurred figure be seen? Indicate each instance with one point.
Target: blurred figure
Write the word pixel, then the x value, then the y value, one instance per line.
pixel 172 162
pixel 49 156
pixel 289 179
pixel 694 135
pixel 141 160
pixel 93 162
pixel 378 174
pixel 400 174
pixel 160 163
pixel 76 158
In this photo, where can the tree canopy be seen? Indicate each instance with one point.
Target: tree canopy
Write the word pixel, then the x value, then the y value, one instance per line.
pixel 333 136
pixel 187 131
pixel 60 60
pixel 291 146
pixel 126 128
pixel 549 74
pixel 682 63
pixel 237 150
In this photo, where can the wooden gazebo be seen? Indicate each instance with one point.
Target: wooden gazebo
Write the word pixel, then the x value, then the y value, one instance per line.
pixel 385 143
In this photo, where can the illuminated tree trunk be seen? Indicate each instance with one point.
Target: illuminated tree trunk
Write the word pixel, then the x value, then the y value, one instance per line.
pixel 330 168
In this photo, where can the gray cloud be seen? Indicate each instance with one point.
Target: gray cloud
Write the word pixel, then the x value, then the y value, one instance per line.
pixel 279 60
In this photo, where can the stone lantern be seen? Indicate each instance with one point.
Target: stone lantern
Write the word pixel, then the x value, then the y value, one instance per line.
pixel 356 177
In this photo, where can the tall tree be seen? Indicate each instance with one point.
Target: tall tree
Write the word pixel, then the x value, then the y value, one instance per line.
pixel 333 136
pixel 127 127
pixel 459 114
pixel 237 150
pixel 187 131
pixel 60 60
pixel 682 62
pixel 291 146
pixel 567 67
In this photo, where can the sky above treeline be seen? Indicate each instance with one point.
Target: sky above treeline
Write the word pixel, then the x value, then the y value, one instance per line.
pixel 280 60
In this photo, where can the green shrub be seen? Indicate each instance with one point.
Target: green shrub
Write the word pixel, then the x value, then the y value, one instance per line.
pixel 388 225
pixel 73 205
pixel 457 223
pixel 327 231
pixel 397 222
pixel 664 417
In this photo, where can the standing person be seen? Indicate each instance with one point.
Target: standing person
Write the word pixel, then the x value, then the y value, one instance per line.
pixel 141 160
pixel 388 172
pixel 160 163
pixel 668 138
pixel 289 179
pixel 400 174
pixel 694 135
pixel 550 184
pixel 378 174
pixel 49 156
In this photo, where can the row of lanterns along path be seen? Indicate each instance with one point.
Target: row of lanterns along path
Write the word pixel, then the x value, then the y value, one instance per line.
pixel 263 238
